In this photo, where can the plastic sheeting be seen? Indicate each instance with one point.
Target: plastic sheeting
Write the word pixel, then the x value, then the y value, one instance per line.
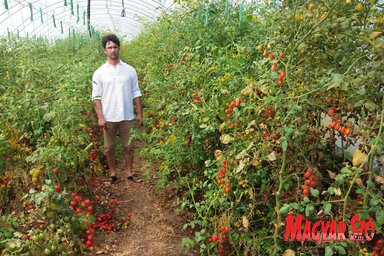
pixel 60 18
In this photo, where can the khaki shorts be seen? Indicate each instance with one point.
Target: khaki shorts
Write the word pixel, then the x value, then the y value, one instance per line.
pixel 122 128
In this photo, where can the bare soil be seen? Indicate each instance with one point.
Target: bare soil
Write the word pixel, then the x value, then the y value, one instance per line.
pixel 156 226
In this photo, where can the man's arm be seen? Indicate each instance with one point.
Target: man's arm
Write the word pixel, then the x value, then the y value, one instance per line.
pixel 99 112
pixel 139 117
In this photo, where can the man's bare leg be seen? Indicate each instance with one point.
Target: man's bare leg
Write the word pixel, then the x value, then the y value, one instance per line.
pixel 129 164
pixel 111 160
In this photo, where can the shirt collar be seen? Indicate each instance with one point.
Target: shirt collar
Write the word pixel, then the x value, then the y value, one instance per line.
pixel 108 64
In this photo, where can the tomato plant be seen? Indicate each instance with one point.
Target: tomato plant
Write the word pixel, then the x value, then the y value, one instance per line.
pixel 308 139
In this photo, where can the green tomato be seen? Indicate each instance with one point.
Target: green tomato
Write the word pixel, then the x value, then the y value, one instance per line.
pixel 47 251
pixel 53 248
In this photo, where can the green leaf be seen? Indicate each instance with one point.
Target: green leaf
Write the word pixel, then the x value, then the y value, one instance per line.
pixel 328 251
pixel 331 190
pixel 370 106
pixel 295 206
pixel 379 217
pixel 346 171
pixel 286 186
pixel 309 209
pixel 374 201
pixel 338 191
pixel 371 185
pixel 32 191
pixel 327 207
pixel 285 209
pixel 315 192
pixel 284 144
pixel 340 179
pixel 187 242
pixel 337 78
pixel 341 250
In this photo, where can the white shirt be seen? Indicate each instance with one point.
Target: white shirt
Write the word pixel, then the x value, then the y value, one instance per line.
pixel 116 88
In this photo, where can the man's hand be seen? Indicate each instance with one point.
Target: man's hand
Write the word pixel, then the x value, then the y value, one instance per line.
pixel 103 123
pixel 139 119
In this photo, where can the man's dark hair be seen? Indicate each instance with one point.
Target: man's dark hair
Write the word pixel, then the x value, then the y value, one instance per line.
pixel 110 37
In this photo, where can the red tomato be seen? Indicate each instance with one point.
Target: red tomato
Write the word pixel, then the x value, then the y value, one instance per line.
pixel 347 131
pixel 265 54
pixel 331 111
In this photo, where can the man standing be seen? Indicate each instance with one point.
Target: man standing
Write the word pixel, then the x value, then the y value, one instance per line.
pixel 115 89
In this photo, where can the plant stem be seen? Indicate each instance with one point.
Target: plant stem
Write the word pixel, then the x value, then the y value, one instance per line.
pixel 357 174
pixel 277 208
pixel 370 162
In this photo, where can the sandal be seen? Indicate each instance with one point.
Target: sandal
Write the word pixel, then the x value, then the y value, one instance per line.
pixel 111 179
pixel 134 177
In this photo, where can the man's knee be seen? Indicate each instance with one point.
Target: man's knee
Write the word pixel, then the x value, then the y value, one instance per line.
pixel 128 149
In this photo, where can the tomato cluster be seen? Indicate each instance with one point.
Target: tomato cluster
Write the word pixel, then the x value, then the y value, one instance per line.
pixel 280 78
pixel 94 137
pixel 80 205
pixel 309 182
pixel 337 125
pixel 269 112
pixel 221 178
pixel 89 242
pixel 35 174
pixel 196 96
pixel 105 221
pixel 128 221
pixel 233 108
pixel 92 155
pixel 222 239
pixel 95 181
pixel 4 182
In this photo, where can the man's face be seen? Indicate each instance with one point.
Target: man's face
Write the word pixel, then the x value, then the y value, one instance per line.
pixel 112 50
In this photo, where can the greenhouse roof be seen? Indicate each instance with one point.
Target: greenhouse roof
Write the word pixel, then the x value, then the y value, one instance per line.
pixel 60 18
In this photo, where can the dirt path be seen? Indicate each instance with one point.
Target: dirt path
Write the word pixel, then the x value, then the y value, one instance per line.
pixel 156 228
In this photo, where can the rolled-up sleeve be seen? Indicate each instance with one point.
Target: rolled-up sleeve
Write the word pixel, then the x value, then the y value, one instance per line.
pixel 135 85
pixel 96 86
